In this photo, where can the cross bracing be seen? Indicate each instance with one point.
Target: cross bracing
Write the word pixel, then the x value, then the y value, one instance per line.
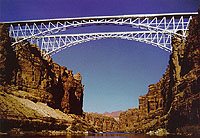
pixel 55 43
pixel 162 26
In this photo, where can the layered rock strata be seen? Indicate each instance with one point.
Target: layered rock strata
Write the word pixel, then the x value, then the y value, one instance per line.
pixel 33 87
pixel 35 93
pixel 173 103
pixel 26 74
pixel 19 116
pixel 101 122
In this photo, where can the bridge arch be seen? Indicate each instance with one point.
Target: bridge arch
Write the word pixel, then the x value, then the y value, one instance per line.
pixel 60 42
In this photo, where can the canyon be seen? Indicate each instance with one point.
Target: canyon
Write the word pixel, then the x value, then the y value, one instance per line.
pixel 39 95
pixel 173 103
pixel 36 93
pixel 24 73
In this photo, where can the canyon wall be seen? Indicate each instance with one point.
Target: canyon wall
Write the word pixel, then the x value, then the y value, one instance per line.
pixel 102 122
pixel 24 73
pixel 36 91
pixel 173 103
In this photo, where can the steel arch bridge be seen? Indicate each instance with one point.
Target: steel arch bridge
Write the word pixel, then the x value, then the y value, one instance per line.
pixel 51 35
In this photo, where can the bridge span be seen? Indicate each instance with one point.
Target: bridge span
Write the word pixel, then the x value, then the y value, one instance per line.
pixel 52 36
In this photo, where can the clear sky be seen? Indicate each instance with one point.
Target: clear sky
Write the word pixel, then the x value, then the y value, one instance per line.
pixel 115 72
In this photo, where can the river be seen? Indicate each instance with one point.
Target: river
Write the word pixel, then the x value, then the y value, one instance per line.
pixel 106 135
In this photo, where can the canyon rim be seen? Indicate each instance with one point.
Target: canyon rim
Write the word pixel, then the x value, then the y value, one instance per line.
pixel 39 96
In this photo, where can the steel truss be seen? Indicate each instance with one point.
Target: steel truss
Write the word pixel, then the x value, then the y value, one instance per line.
pixel 55 43
pixel 159 30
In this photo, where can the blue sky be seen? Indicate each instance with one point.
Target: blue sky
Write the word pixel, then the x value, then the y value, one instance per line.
pixel 115 72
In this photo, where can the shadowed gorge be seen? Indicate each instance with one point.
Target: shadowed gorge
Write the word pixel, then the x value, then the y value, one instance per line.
pixel 42 80
pixel 172 103
pixel 39 95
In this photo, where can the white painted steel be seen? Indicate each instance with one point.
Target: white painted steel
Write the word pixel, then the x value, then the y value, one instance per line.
pixel 55 43
pixel 158 30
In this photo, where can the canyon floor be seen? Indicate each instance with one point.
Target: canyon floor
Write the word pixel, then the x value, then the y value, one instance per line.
pixel 38 96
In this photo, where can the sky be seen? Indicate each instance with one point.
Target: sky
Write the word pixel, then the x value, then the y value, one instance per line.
pixel 115 72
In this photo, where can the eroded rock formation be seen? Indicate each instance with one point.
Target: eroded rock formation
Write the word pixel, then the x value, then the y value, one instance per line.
pixel 33 87
pixel 101 122
pixel 35 93
pixel 26 74
pixel 173 103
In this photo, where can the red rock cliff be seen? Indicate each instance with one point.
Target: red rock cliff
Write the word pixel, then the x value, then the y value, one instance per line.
pixel 26 74
pixel 172 103
pixel 101 122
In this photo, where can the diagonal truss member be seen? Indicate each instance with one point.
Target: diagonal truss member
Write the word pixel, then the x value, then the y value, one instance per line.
pixel 55 43
pixel 158 30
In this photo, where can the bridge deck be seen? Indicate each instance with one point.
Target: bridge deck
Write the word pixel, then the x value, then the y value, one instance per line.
pixel 167 15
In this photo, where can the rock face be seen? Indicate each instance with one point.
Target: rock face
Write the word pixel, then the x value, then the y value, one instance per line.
pixel 6 58
pixel 33 87
pixel 22 113
pixel 36 94
pixel 115 114
pixel 173 103
pixel 24 73
pixel 101 122
pixel 19 116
